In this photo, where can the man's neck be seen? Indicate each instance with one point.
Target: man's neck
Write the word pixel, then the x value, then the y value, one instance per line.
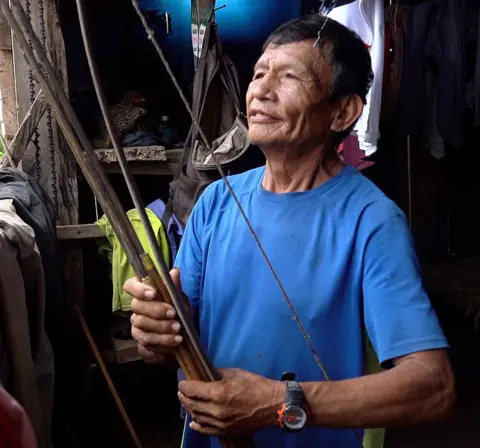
pixel 287 172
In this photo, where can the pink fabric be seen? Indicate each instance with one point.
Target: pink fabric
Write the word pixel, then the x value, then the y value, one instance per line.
pixel 15 428
pixel 351 153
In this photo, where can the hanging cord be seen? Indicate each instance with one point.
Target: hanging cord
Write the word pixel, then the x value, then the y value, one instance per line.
pixel 31 87
pixel 51 145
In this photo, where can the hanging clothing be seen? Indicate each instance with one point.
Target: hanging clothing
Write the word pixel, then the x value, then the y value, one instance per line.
pixel 327 5
pixel 367 18
pixel 174 228
pixel 477 76
pixel 435 46
pixel 121 268
pixel 35 208
pixel 352 155
pixel 22 310
pixel 395 18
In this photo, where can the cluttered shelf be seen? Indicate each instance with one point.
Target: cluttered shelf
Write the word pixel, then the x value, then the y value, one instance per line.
pixel 142 160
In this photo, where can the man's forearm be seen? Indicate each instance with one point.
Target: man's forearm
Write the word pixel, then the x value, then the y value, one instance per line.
pixel 408 394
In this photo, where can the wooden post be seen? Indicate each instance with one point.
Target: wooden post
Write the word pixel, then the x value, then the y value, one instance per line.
pixel 59 178
pixel 8 107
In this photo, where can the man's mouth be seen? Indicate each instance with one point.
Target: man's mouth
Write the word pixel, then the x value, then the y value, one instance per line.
pixel 259 116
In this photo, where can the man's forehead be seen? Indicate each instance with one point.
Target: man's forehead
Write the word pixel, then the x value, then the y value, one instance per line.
pixel 300 54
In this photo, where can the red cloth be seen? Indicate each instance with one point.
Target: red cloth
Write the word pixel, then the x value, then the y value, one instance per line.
pixel 15 428
pixel 351 153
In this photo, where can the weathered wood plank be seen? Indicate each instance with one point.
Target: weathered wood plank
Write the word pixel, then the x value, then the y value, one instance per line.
pixel 79 232
pixel 57 168
pixel 5 34
pixel 140 154
pixel 145 168
pixel 8 106
pixel 142 163
pixel 25 132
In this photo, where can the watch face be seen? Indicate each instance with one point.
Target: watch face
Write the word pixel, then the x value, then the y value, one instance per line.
pixel 294 418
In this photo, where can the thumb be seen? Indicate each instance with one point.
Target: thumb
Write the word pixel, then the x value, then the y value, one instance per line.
pixel 175 275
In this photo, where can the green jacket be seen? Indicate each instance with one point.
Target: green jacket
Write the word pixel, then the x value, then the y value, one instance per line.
pixel 121 269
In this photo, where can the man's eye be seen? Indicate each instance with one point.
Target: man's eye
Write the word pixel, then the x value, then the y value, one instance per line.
pixel 258 75
pixel 290 76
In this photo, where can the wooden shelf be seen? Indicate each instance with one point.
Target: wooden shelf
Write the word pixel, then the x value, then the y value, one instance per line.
pixel 145 160
pixel 79 232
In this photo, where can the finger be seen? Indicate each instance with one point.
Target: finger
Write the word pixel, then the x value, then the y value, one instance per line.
pixel 154 310
pixel 195 406
pixel 199 390
pixel 151 357
pixel 136 288
pixel 146 338
pixel 207 430
pixel 146 323
pixel 175 275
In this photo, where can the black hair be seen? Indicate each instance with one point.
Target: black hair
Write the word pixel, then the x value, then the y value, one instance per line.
pixel 346 53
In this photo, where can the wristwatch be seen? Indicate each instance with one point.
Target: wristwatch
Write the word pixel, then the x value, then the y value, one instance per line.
pixel 292 416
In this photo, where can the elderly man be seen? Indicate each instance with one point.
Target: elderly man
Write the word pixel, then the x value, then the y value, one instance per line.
pixel 342 250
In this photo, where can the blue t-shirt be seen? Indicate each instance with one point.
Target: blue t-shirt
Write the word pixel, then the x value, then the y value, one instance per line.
pixel 346 259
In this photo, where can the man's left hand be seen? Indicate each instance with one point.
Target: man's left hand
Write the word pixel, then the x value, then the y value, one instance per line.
pixel 241 403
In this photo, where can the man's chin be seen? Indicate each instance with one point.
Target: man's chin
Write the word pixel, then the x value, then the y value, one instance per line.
pixel 263 141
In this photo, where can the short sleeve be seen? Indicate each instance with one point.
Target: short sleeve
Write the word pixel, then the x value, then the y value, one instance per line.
pixel 398 314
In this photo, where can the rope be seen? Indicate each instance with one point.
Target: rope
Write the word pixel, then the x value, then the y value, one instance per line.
pixel 31 87
pixel 51 144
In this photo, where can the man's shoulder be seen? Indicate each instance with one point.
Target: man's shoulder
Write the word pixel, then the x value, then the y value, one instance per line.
pixel 241 183
pixel 371 203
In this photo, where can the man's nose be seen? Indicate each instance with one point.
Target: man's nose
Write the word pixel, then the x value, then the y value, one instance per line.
pixel 262 88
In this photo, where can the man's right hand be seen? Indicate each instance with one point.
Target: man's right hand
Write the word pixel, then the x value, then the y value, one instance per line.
pixel 153 322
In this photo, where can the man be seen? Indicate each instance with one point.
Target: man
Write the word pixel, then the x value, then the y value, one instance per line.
pixel 341 249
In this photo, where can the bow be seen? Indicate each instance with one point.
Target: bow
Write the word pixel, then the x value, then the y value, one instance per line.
pixel 190 355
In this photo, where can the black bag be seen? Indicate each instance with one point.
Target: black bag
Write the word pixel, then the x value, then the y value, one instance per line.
pixel 216 106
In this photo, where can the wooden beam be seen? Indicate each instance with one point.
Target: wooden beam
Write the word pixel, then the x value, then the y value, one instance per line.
pixel 142 161
pixel 79 232
pixel 22 138
pixel 8 107
pixel 133 154
pixel 5 34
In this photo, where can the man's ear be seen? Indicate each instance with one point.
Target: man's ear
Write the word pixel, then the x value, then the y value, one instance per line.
pixel 347 113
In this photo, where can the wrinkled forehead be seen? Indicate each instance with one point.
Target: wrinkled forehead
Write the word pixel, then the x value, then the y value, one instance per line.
pixel 301 56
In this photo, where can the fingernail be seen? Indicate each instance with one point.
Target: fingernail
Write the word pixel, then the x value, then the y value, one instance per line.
pixel 176 326
pixel 178 339
pixel 149 294
pixel 171 314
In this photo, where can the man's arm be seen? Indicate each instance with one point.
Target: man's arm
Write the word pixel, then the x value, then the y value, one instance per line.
pixel 419 388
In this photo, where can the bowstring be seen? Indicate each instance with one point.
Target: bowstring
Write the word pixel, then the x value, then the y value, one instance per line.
pixel 151 36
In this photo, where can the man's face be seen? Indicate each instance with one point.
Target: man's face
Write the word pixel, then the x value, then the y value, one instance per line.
pixel 287 98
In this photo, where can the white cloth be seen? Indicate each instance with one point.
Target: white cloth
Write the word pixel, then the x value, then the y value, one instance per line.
pixel 366 18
